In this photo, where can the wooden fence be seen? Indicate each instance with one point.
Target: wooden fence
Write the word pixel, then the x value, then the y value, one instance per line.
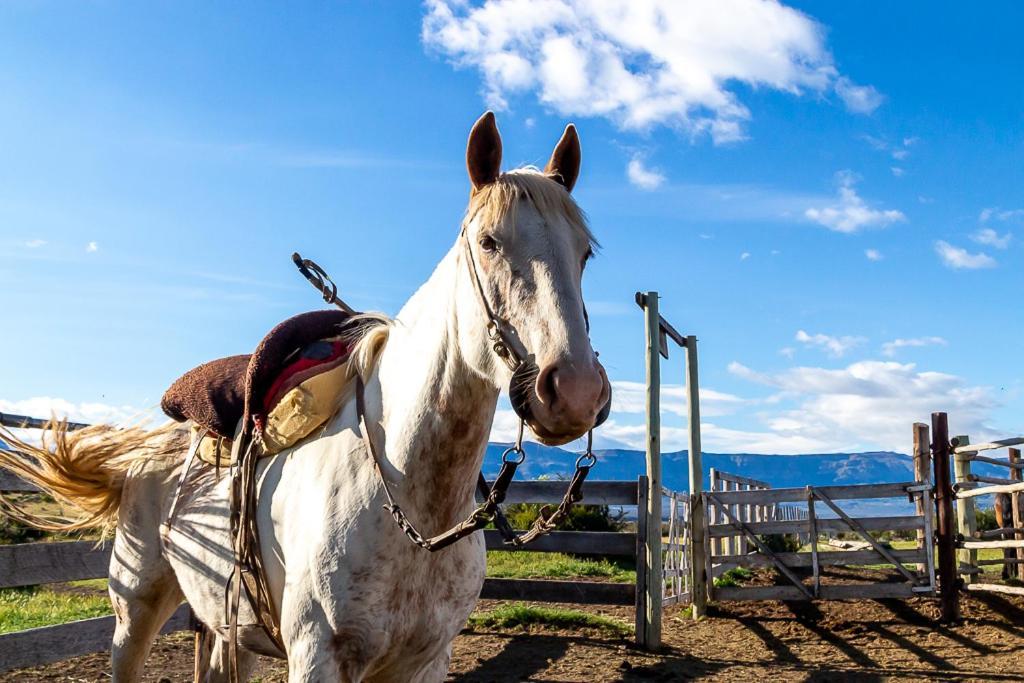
pixel 791 565
pixel 967 487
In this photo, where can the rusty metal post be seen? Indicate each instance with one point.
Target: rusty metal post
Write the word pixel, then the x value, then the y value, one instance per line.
pixel 949 583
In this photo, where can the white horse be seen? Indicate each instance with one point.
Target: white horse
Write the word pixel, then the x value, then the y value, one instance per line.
pixel 357 601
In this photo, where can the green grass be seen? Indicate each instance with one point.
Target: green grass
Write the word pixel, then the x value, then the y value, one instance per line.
pixel 505 564
pixel 733 577
pixel 31 607
pixel 518 615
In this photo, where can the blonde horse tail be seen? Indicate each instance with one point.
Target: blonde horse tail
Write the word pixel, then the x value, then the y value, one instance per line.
pixel 84 469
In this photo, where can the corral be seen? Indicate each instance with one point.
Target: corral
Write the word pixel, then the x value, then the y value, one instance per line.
pixel 777 621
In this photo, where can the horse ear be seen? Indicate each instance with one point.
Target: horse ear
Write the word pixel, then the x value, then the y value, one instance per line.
pixel 483 152
pixel 564 165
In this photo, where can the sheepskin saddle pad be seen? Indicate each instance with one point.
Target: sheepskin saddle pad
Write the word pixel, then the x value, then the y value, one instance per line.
pixel 288 386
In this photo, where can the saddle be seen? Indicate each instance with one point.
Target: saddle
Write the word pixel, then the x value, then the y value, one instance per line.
pixel 286 388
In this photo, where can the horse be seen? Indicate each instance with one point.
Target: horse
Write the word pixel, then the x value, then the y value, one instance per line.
pixel 356 600
pixel 1004 520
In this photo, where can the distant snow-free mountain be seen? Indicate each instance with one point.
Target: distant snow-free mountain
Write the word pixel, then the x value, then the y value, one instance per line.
pixel 779 471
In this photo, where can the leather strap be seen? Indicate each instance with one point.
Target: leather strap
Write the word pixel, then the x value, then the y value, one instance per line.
pixel 172 513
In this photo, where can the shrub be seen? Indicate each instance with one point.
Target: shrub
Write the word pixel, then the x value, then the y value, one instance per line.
pixel 12 531
pixel 581 517
pixel 986 519
pixel 781 543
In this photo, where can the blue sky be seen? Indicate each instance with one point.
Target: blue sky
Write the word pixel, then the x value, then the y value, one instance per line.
pixel 828 195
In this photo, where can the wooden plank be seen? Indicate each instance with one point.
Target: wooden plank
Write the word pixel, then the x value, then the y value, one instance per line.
pixel 851 558
pixel 575 542
pixel 9 482
pixel 653 453
pixel 855 591
pixel 996 461
pixel 980 545
pixel 989 490
pixel 812 529
pixel 39 646
pixel 991 445
pixel 594 492
pixel 735 478
pixel 949 582
pixel 581 592
pixel 985 479
pixel 695 548
pixel 922 472
pixel 996 588
pixel 28 564
pixel 799 526
pixel 25 422
pixel 998 533
pixel 799 495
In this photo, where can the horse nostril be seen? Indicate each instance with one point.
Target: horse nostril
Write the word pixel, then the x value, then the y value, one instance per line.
pixel 547 389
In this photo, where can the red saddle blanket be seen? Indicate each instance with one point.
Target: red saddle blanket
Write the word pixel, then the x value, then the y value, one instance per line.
pixel 216 395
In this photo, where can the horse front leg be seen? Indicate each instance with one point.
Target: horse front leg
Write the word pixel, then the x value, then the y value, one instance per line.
pixel 318 654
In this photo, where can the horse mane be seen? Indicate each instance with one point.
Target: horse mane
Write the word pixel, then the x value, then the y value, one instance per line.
pixel 497 201
pixel 368 338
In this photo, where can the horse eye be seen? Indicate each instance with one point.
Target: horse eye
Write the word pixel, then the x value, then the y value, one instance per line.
pixel 488 244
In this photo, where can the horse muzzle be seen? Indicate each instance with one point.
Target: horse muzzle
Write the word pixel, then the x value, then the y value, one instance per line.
pixel 560 403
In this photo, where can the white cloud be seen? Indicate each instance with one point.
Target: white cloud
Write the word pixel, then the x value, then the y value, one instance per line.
pixel 92 248
pixel 958 258
pixel 890 348
pixel 860 99
pixel 744 256
pixel 643 177
pixel 873 255
pixel 641 64
pixel 897 171
pixel 35 244
pixel 870 404
pixel 992 238
pixel 999 214
pixel 45 407
pixel 530 122
pixel 631 398
pixel 850 213
pixel 834 346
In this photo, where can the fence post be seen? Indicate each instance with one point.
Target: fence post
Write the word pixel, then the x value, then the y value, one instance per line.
pixel 641 561
pixel 1018 514
pixel 966 518
pixel 698 578
pixel 922 474
pixel 652 324
pixel 948 583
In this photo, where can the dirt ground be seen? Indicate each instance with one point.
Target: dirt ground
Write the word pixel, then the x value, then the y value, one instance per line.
pixel 871 640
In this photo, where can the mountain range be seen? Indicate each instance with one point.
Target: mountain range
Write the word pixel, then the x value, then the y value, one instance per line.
pixel 821 469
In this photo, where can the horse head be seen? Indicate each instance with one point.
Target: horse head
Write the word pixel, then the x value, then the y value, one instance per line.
pixel 526 247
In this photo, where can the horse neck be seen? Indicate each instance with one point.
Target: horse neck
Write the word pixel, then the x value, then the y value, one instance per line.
pixel 437 411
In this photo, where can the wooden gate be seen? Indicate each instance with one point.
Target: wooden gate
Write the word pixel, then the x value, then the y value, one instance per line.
pixel 801 570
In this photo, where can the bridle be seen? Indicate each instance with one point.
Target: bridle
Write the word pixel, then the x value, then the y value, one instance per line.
pixel 523 370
